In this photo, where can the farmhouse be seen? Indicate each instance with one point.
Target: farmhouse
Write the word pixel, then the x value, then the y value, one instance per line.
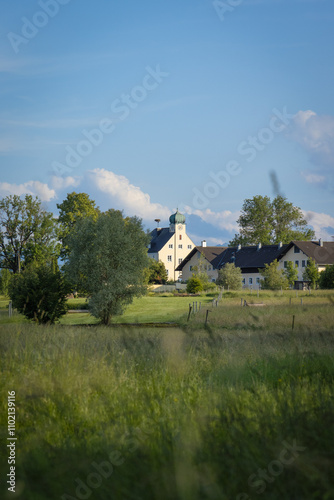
pixel 250 259
pixel 300 252
pixel 207 258
pixel 171 244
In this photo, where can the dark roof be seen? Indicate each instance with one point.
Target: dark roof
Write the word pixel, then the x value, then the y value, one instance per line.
pixel 160 236
pixel 322 254
pixel 251 256
pixel 212 254
pixel 248 258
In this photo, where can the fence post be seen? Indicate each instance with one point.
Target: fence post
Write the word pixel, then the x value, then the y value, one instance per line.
pixel 206 317
pixel 293 322
pixel 189 312
pixel 10 309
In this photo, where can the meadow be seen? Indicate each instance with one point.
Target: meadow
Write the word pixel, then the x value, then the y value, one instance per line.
pixel 240 408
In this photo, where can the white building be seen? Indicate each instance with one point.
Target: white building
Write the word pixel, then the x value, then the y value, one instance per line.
pixel 171 244
pixel 300 252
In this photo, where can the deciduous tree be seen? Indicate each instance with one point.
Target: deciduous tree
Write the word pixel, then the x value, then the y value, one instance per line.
pixel 76 206
pixel 311 273
pixel 266 222
pixel 230 277
pixel 157 272
pixel 27 232
pixel 326 279
pixel 108 258
pixel 273 278
pixel 291 272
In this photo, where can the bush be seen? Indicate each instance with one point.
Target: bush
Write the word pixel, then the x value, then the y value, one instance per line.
pixel 194 285
pixel 39 293
pixel 327 278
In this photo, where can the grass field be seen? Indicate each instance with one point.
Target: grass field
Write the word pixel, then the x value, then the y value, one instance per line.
pixel 241 408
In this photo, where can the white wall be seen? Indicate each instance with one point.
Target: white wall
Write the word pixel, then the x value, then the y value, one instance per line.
pixel 300 257
pixel 187 271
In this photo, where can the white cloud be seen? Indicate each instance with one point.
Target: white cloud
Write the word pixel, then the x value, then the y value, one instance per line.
pixel 313 178
pixel 224 220
pixel 64 182
pixel 323 224
pixel 316 134
pixel 127 196
pixel 34 188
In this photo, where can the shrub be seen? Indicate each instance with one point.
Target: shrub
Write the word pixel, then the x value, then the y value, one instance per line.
pixel 39 293
pixel 327 278
pixel 194 285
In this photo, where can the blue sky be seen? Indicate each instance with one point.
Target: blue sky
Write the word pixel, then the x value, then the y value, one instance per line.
pixel 149 106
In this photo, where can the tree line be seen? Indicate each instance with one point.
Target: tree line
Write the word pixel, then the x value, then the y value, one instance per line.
pixel 104 254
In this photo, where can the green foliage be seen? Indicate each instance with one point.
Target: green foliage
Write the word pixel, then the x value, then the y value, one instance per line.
pixel 5 278
pixel 200 272
pixel 27 233
pixel 39 293
pixel 291 273
pixel 326 279
pixel 230 277
pixel 273 278
pixel 311 273
pixel 76 206
pixel 194 285
pixel 157 272
pixel 108 259
pixel 266 222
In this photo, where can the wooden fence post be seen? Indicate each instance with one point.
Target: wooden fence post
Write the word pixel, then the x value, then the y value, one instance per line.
pixel 189 312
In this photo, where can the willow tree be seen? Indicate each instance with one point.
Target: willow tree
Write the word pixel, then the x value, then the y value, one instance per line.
pixel 108 259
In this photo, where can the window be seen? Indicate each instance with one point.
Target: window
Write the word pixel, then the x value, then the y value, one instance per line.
pixel 258 281
pixel 243 281
pixel 190 247
pixel 180 237
pixel 190 268
pixel 213 280
pixel 167 272
pixel 180 246
pixel 296 249
pixel 285 264
pixel 209 268
pixel 297 263
pixel 169 258
pixel 180 260
pixel 303 263
pixel 250 281
pixel 170 245
pixel 307 262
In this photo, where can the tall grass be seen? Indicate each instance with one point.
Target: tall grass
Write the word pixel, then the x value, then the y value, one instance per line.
pixel 182 414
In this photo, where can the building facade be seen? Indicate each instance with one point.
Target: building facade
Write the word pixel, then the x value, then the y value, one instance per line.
pixel 171 244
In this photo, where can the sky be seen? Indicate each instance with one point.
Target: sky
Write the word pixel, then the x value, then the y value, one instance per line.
pixel 152 106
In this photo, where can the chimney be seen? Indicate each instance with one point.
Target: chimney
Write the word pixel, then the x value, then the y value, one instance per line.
pixel 321 244
pixel 203 243
pixel 238 247
pixel 259 246
pixel 280 244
